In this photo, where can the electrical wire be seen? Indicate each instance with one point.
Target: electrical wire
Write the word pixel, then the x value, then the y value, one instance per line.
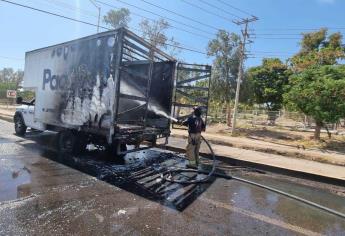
pixel 180 15
pixel 161 16
pixel 299 29
pixel 207 11
pixel 219 8
pixel 277 38
pixel 91 24
pixel 12 58
pixel 71 7
pixel 54 14
pixel 153 20
pixel 236 8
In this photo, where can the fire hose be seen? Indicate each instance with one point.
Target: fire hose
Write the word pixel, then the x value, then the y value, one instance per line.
pixel 225 176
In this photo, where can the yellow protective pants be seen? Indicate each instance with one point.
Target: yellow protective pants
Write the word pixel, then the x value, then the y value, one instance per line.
pixel 193 147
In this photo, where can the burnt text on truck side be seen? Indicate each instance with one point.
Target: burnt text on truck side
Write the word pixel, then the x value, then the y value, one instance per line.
pixel 54 81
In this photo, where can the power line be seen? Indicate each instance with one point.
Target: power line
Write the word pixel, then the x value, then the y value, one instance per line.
pixel 267 56
pixel 279 34
pixel 91 24
pixel 54 14
pixel 236 8
pixel 153 20
pixel 12 58
pixel 300 29
pixel 280 38
pixel 59 6
pixel 207 11
pixel 219 8
pixel 180 15
pixel 161 16
pixel 268 52
pixel 71 7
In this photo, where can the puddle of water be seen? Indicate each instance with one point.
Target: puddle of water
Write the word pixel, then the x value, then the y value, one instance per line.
pixel 13 176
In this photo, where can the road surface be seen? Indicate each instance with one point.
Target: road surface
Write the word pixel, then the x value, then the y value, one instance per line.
pixel 44 193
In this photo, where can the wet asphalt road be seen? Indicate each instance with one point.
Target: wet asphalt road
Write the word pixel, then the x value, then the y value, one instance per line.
pixel 43 193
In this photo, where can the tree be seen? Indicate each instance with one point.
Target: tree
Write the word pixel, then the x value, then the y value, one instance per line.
pixel 268 82
pixel 117 18
pixel 225 49
pixel 9 79
pixel 155 33
pixel 8 75
pixel 318 49
pixel 318 92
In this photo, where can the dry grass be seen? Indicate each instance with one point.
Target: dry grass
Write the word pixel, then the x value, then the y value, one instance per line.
pixel 283 136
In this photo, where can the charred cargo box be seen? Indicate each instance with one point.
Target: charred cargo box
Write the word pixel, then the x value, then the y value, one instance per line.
pixel 113 85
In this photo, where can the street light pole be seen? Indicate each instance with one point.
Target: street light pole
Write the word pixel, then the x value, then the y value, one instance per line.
pixel 99 13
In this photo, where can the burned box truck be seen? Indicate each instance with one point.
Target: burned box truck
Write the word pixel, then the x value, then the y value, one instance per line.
pixel 112 89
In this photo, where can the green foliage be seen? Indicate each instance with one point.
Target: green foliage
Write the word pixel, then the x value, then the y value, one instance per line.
pixel 4 86
pixel 268 82
pixel 318 92
pixel 26 95
pixel 117 18
pixel 317 49
pixel 225 49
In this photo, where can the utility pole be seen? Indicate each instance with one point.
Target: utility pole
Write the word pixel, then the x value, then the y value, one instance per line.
pixel 99 13
pixel 243 42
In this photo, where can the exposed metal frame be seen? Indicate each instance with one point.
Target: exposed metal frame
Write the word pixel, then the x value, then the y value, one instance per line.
pixel 182 89
pixel 131 50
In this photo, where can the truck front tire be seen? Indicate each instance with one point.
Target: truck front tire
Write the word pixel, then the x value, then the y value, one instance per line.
pixel 19 125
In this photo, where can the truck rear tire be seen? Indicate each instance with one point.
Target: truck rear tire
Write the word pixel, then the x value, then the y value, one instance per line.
pixel 19 125
pixel 115 149
pixel 80 143
pixel 66 141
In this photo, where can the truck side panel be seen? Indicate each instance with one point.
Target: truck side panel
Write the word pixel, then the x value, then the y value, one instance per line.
pixel 73 81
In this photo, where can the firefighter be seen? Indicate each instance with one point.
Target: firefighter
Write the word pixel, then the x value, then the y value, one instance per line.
pixel 195 126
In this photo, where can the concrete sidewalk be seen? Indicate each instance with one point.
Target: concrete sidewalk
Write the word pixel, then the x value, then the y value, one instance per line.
pixel 328 157
pixel 7 112
pixel 265 159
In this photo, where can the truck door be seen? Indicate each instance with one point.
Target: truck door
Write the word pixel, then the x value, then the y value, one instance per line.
pixel 191 89
pixel 28 114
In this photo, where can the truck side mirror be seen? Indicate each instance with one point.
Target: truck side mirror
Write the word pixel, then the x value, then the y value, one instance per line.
pixel 19 100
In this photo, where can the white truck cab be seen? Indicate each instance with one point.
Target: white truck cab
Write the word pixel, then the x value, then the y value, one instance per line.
pixel 24 118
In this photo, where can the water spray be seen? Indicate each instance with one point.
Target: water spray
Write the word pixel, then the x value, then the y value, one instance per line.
pixel 155 108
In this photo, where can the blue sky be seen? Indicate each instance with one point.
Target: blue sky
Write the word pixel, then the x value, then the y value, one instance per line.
pixel 277 30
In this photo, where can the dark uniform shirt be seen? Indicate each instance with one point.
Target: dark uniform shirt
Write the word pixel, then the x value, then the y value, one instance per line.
pixel 195 124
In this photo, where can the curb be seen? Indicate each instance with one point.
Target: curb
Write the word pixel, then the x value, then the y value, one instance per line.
pixel 265 150
pixel 6 117
pixel 273 169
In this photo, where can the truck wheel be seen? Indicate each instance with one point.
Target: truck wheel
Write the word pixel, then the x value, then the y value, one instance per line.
pixel 66 141
pixel 80 144
pixel 19 125
pixel 115 149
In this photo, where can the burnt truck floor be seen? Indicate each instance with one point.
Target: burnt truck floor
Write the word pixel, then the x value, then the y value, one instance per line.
pixel 42 192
